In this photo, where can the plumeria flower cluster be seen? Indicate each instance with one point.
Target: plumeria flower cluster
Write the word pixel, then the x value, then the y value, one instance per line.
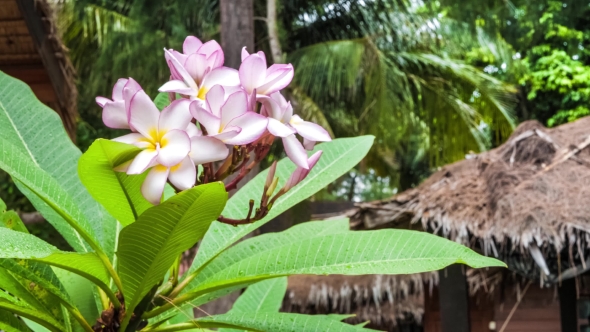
pixel 220 118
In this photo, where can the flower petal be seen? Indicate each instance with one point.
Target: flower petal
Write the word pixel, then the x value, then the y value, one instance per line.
pixel 278 76
pixel 192 130
pixel 215 99
pixel 153 185
pixel 205 118
pixel 114 115
pixel 175 116
pixel 196 65
pixel 300 173
pixel 143 114
pixel 307 144
pixel 135 139
pixel 310 130
pixel 213 52
pixel 295 151
pixel 142 161
pixel 252 72
pixel 178 87
pixel 245 53
pixel 191 45
pixel 235 105
pixel 101 101
pixel 222 76
pixel 229 133
pixel 279 129
pixel 178 71
pixel 118 89
pixel 207 149
pixel 253 125
pixel 175 146
pixel 271 107
pixel 184 175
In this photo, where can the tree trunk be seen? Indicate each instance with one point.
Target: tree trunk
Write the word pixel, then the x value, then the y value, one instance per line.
pixel 273 31
pixel 237 29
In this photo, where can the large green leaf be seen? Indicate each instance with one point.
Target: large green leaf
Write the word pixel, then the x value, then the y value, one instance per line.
pixel 37 132
pixel 25 246
pixel 385 251
pixel 338 157
pixel 76 230
pixel 118 192
pixel 149 246
pixel 11 283
pixel 267 322
pixel 10 323
pixel 20 308
pixel 81 292
pixel 264 296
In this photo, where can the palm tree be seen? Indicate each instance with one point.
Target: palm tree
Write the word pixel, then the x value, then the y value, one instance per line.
pixel 362 67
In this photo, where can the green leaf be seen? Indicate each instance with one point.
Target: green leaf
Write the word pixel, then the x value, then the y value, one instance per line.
pixel 118 192
pixel 149 246
pixel 267 322
pixel 2 206
pixel 37 132
pixel 25 246
pixel 338 157
pixel 22 309
pixel 385 251
pixel 76 229
pixel 10 323
pixel 18 289
pixel 11 220
pixel 162 100
pixel 82 293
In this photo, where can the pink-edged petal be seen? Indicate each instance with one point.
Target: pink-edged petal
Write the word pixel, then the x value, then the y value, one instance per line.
pixel 175 146
pixel 308 145
pixel 142 161
pixel 184 175
pixel 101 101
pixel 192 130
pixel 279 129
pixel 211 48
pixel 118 89
pixel 227 134
pixel 278 76
pixel 179 56
pixel 130 89
pixel 153 185
pixel 216 59
pixel 197 66
pixel 223 76
pixel 123 167
pixel 207 149
pixel 175 116
pixel 215 99
pixel 114 115
pixel 271 107
pixel 295 151
pixel 191 45
pixel 252 72
pixel 301 173
pixel 179 87
pixel 205 118
pixel 179 71
pixel 253 125
pixel 143 114
pixel 235 105
pixel 245 53
pixel 310 130
pixel 134 138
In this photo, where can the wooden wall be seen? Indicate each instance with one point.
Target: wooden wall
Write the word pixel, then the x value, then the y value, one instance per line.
pixel 537 312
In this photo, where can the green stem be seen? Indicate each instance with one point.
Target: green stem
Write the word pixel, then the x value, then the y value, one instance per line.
pixel 78 316
pixel 195 324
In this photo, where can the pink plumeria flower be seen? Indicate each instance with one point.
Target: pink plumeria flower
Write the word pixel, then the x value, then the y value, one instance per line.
pixel 256 78
pixel 161 135
pixel 226 117
pixel 115 112
pixel 198 77
pixel 283 123
pixel 197 58
pixel 182 176
pixel 301 173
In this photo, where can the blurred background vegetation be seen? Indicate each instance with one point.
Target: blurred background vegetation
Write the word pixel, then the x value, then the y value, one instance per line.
pixel 433 80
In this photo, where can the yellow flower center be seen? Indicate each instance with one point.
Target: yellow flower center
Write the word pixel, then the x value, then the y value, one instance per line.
pixel 202 93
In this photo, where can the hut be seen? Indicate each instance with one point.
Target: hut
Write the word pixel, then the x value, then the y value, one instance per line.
pixel 31 50
pixel 524 202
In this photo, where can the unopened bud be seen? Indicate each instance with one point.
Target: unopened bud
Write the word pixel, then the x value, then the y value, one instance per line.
pixel 272 187
pixel 270 177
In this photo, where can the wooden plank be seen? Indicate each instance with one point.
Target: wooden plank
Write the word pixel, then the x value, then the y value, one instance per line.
pixel 568 305
pixel 453 299
pixel 9 10
pixel 17 45
pixel 30 74
pixel 13 28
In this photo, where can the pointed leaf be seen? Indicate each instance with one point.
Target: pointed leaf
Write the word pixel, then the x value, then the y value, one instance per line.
pixel 118 192
pixel 11 219
pixel 162 100
pixel 339 156
pixel 22 309
pixel 10 323
pixel 387 251
pixel 37 132
pixel 171 228
pixel 264 296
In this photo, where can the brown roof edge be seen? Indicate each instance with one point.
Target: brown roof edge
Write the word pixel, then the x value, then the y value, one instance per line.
pixel 40 20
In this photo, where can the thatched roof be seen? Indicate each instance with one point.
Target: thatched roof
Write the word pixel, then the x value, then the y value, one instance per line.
pixel 525 201
pixel 386 301
pixel 31 50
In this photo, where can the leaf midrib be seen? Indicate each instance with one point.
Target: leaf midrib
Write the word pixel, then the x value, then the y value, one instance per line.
pixel 26 146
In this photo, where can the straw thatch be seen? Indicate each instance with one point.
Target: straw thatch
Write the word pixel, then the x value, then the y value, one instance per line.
pixel 525 201
pixel 31 50
pixel 385 301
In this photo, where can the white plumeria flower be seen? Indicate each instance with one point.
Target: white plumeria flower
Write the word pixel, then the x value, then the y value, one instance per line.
pixel 182 176
pixel 115 112
pixel 225 116
pixel 256 78
pixel 198 58
pixel 283 123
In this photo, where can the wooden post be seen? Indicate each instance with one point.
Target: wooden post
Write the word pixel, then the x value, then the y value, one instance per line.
pixel 454 299
pixel 568 305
